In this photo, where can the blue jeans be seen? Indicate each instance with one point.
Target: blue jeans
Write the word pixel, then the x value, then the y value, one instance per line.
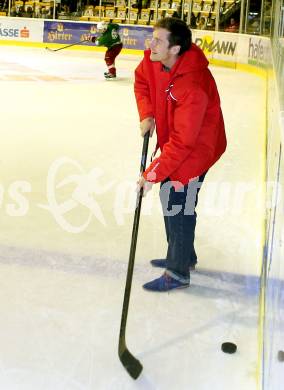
pixel 180 221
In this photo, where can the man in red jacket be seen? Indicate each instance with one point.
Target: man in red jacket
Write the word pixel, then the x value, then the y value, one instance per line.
pixel 177 95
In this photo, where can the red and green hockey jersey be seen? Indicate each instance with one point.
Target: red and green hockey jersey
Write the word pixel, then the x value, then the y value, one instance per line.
pixel 110 37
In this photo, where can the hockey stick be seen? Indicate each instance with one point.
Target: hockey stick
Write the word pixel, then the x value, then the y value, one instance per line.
pixel 131 364
pixel 64 47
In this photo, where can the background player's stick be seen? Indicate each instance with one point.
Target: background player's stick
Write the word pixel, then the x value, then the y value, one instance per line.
pixel 131 364
pixel 64 47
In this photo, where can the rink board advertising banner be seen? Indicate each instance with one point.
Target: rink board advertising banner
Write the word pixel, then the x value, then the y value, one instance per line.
pixel 258 51
pixel 133 37
pixel 67 32
pixel 138 37
pixel 217 45
pixel 18 29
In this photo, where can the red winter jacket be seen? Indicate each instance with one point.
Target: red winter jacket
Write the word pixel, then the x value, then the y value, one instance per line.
pixel 186 106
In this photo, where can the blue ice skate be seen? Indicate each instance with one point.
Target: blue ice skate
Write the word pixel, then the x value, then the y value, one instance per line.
pixel 165 283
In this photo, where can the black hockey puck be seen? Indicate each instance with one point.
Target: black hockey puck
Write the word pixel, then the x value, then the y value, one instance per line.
pixel 281 356
pixel 229 347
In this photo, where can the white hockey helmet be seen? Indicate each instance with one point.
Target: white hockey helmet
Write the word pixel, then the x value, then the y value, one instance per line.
pixel 102 26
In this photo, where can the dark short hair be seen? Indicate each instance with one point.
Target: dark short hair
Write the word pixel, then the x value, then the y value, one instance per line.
pixel 180 33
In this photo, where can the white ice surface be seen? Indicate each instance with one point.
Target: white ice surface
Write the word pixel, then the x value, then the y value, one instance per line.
pixel 61 292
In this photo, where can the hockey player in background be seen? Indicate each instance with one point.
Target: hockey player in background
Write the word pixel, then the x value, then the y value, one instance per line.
pixel 109 37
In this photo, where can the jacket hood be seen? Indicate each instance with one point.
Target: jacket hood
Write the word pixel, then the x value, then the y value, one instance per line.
pixel 191 61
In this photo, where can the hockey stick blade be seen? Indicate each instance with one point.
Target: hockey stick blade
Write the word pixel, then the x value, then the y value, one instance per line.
pixel 130 363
